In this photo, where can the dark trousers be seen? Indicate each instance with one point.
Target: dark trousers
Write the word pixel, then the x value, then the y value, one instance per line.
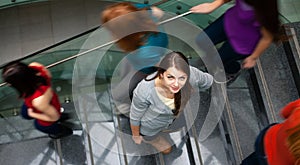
pixel 216 34
pixel 258 157
pixel 54 128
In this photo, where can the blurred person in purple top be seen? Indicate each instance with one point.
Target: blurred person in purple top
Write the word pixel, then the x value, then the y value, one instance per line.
pixel 247 29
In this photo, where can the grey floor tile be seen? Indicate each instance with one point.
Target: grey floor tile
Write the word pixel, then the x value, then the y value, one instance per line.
pixel 31 152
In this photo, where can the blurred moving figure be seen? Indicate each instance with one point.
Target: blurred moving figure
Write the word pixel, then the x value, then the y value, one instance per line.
pixel 279 144
pixel 143 41
pixel 33 83
pixel 247 30
pixel 159 99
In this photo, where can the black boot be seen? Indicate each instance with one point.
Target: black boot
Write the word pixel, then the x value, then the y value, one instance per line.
pixel 65 131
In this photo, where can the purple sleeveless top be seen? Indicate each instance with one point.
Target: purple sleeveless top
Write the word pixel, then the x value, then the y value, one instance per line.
pixel 241 27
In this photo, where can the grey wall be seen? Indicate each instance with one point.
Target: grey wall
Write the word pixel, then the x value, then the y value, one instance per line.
pixel 28 28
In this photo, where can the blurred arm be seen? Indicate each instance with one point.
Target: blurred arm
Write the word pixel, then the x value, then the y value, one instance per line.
pixel 208 7
pixel 262 45
pixel 158 13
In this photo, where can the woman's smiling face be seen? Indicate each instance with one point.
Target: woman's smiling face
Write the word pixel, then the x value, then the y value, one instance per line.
pixel 174 79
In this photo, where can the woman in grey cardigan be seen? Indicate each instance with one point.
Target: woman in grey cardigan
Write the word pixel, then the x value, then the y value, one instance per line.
pixel 159 99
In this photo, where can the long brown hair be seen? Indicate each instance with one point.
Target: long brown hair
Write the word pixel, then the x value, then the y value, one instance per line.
pixel 180 62
pixel 293 141
pixel 23 78
pixel 133 18
pixel 267 14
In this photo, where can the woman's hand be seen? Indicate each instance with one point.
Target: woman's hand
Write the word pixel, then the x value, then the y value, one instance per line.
pixel 30 112
pixel 157 12
pixel 249 62
pixel 137 139
pixel 206 8
pixel 264 42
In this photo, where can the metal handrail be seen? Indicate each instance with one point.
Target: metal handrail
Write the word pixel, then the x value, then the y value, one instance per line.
pixel 173 18
pixel 267 92
pixel 106 44
pixel 232 125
